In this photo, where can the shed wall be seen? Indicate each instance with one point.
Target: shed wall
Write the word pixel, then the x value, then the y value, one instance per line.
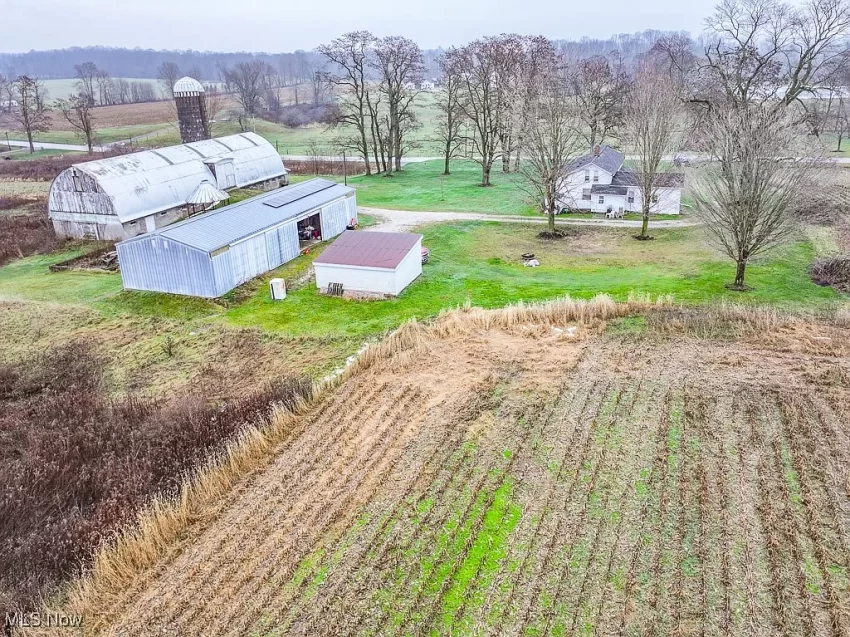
pixel 249 258
pixel 409 269
pixel 356 279
pixel 335 218
pixel 161 265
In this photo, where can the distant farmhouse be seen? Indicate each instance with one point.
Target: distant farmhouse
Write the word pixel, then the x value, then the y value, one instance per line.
pixel 599 182
pixel 124 196
pixel 210 254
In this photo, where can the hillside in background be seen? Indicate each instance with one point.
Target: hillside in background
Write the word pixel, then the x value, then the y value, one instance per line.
pixel 143 63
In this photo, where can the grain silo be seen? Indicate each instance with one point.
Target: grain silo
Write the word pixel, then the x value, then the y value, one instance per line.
pixel 191 110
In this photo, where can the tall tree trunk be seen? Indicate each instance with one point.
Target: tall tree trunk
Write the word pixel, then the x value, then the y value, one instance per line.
pixel 839 143
pixel 365 146
pixel 740 269
pixel 388 168
pixel 485 173
pixel 29 139
pixel 448 156
pixel 644 226
pixel 506 154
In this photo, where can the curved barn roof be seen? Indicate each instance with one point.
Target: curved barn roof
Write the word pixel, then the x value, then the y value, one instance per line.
pixel 150 181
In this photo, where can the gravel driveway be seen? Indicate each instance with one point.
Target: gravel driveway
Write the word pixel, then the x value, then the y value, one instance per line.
pixel 405 220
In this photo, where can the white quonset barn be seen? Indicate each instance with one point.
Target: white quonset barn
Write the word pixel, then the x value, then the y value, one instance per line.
pixel 371 263
pixel 210 254
pixel 124 196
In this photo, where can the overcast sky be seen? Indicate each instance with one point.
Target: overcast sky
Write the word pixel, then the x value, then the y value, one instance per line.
pixel 287 25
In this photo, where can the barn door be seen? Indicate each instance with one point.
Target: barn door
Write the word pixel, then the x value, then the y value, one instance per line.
pixel 226 175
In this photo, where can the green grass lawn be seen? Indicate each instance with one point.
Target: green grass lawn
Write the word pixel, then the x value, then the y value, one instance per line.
pixel 422 186
pixel 479 262
pixel 23 154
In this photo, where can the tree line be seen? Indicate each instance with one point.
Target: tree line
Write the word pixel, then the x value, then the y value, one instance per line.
pixel 764 79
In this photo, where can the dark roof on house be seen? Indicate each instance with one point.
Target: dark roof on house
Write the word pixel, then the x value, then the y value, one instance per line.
pixel 605 189
pixel 628 177
pixel 369 249
pixel 608 160
pixel 222 227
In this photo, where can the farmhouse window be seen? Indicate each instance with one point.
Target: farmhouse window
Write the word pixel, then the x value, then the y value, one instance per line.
pixel 585 194
pixel 601 199
pixel 78 184
pixel 587 175
pixel 654 198
pixel 631 196
pixel 595 176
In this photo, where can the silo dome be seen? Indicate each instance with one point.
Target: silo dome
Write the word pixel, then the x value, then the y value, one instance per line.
pixel 188 85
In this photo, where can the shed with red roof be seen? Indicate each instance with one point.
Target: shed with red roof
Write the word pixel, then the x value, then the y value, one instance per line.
pixel 379 263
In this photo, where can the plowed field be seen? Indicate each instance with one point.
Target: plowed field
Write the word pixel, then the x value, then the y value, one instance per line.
pixel 509 483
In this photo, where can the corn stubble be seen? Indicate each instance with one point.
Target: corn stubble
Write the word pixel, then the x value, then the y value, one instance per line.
pixel 495 473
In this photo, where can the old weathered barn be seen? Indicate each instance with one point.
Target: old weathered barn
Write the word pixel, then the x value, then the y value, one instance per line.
pixel 124 196
pixel 370 263
pixel 210 254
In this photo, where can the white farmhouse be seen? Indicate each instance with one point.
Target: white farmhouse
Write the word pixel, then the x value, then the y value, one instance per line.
pixel 599 182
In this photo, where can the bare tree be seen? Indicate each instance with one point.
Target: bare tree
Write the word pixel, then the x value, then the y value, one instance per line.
pixel 317 88
pixel 598 89
pixel 245 80
pixel 195 73
pixel 168 74
pixel 651 118
pixel 448 104
pixel 271 85
pixel 78 112
pixel 552 140
pixel 539 63
pixel 481 99
pixel 6 93
pixel 86 74
pixel 745 195
pixel 32 113
pixel 213 103
pixel 105 88
pixel 765 50
pixel 399 64
pixel 122 90
pixel 349 56
pixel 839 119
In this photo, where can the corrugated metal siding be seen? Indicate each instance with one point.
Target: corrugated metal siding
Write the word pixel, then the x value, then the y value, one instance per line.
pixel 161 265
pixel 352 207
pixel 223 273
pixel 249 258
pixel 282 244
pixel 334 219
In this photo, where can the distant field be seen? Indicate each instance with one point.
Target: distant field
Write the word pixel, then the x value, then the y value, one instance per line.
pixel 155 120
pixel 62 88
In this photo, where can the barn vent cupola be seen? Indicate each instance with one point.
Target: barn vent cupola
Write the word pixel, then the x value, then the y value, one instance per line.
pixel 191 110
